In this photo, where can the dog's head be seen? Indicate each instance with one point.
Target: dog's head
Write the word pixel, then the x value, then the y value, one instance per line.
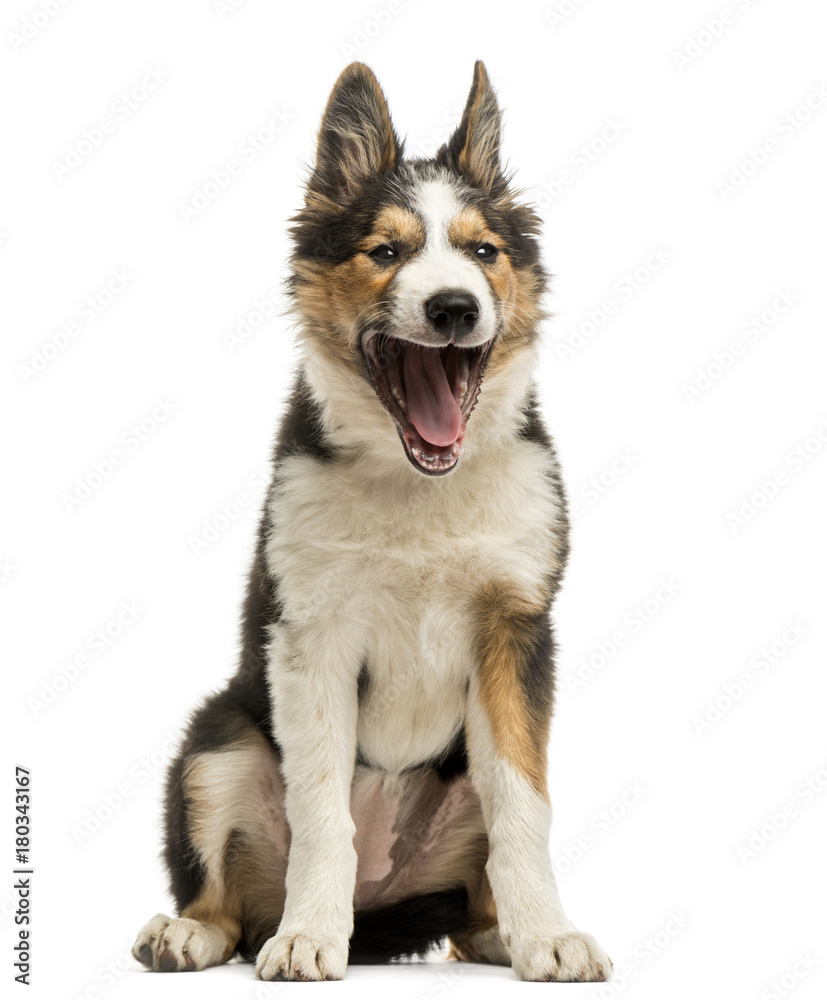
pixel 413 278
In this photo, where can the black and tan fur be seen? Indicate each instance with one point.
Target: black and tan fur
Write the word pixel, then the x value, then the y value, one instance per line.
pixel 374 776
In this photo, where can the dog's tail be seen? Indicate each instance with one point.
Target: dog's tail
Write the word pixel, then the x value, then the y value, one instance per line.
pixel 409 928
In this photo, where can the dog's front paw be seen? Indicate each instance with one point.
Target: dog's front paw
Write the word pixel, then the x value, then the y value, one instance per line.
pixel 303 956
pixel 573 957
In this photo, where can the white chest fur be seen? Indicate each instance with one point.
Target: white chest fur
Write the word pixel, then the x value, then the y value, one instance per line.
pixel 384 572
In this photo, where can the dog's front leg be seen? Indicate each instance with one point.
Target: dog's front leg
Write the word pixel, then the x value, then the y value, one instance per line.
pixel 507 720
pixel 315 706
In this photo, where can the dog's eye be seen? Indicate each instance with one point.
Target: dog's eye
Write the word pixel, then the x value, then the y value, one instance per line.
pixel 383 253
pixel 485 251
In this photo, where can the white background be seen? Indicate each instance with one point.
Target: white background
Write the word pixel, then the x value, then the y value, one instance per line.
pixel 695 793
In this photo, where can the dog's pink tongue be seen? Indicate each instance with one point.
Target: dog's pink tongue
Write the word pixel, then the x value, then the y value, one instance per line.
pixel 431 405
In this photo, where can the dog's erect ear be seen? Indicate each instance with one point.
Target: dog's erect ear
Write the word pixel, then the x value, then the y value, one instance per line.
pixel 356 139
pixel 474 148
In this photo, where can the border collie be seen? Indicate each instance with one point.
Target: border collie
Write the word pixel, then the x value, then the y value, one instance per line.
pixel 373 779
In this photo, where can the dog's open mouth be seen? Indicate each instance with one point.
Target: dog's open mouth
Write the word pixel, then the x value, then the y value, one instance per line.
pixel 430 393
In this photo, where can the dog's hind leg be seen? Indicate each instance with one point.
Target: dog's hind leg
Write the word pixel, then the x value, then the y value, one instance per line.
pixel 181 944
pixel 224 813
pixel 422 849
pixel 481 942
pixel 208 928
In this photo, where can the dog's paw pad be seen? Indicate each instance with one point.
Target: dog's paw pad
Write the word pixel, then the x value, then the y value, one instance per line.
pixel 144 954
pixel 144 948
pixel 573 957
pixel 300 957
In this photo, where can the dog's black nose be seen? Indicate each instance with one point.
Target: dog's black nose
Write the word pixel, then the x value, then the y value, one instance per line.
pixel 453 313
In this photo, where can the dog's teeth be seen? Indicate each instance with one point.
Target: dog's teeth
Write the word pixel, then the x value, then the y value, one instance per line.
pixel 398 397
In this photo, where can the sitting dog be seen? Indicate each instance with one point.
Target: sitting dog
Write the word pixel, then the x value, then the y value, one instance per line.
pixel 373 778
